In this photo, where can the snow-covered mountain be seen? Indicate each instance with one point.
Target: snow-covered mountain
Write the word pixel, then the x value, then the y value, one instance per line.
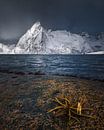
pixel 37 40
pixel 95 41
pixel 4 49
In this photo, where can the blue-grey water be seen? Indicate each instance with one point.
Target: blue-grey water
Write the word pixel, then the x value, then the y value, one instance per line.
pixel 87 66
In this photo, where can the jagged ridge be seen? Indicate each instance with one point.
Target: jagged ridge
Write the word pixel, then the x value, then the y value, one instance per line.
pixel 37 40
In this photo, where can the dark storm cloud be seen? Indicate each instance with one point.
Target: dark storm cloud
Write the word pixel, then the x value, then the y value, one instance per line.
pixel 16 16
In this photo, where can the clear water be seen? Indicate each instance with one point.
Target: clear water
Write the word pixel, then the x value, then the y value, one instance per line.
pixel 88 66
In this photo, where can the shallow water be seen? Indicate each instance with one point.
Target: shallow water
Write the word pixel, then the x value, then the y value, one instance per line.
pixel 88 66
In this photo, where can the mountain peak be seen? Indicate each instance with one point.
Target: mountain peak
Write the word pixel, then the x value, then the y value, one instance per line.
pixel 37 40
pixel 36 26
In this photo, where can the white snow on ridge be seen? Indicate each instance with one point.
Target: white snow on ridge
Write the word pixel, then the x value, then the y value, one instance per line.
pixel 37 40
pixel 4 49
pixel 98 52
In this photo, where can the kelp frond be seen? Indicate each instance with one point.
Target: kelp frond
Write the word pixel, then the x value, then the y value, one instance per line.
pixel 66 107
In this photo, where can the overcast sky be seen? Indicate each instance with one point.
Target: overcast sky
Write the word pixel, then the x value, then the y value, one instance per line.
pixel 16 16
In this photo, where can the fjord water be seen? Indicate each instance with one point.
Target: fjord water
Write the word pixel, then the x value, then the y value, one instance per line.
pixel 87 66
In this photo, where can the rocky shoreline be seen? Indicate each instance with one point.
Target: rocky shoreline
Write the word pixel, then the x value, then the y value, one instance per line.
pixel 25 100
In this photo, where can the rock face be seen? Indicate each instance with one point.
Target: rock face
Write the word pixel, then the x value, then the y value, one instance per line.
pixel 37 40
pixel 31 42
